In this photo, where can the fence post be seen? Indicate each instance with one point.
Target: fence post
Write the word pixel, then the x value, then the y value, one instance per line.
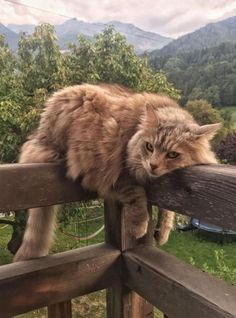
pixel 60 310
pixel 121 301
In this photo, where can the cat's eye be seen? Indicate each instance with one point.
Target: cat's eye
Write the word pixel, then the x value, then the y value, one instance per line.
pixel 172 155
pixel 149 146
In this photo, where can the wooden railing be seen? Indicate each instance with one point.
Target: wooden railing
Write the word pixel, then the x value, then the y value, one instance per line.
pixel 134 273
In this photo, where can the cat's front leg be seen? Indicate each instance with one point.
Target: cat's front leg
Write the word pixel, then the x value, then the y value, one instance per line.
pixel 134 202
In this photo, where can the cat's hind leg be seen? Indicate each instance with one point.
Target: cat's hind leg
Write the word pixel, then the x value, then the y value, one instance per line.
pixel 164 226
pixel 39 231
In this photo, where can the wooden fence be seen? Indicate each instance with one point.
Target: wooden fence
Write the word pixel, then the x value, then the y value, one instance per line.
pixel 135 274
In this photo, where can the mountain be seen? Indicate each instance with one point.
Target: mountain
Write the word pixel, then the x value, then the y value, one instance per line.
pixel 208 73
pixel 23 28
pixel 11 37
pixel 141 40
pixel 70 29
pixel 211 35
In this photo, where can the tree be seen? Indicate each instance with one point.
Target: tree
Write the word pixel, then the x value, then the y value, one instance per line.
pixel 12 97
pixel 204 113
pixel 203 73
pixel 226 149
pixel 109 58
pixel 40 62
pixel 196 94
pixel 212 95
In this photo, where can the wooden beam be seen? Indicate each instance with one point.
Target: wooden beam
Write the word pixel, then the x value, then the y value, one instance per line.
pixel 121 301
pixel 60 310
pixel 28 285
pixel 206 192
pixel 176 288
pixel 25 186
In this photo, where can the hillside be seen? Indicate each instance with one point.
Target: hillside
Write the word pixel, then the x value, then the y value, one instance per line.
pixel 208 73
pixel 70 29
pixel 211 35
pixel 11 37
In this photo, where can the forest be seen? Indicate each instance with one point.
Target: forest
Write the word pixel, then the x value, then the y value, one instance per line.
pixel 208 73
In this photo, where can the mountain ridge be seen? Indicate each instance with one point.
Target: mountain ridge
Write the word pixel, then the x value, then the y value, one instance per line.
pixel 69 30
pixel 211 35
pixel 11 37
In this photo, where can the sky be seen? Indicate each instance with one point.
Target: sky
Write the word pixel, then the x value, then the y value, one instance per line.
pixel 171 18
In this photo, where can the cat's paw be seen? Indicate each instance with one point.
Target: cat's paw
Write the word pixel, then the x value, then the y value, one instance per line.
pixel 139 230
pixel 161 237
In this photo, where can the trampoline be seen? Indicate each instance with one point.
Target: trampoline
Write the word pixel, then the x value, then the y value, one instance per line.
pixel 210 231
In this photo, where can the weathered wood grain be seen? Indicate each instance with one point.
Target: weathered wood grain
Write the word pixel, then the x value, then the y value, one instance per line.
pixel 176 288
pixel 121 301
pixel 60 310
pixel 28 285
pixel 206 192
pixel 32 185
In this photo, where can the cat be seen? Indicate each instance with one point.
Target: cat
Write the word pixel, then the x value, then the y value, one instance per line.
pixel 102 133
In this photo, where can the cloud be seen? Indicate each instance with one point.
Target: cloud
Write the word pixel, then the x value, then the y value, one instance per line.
pixel 171 18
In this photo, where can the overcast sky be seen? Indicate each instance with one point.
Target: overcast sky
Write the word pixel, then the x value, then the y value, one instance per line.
pixel 167 17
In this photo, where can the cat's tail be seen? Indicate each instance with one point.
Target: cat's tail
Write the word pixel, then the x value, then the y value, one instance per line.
pixel 164 226
pixel 39 232
pixel 38 235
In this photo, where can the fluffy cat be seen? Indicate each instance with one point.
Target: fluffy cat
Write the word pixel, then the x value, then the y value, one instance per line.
pixel 102 133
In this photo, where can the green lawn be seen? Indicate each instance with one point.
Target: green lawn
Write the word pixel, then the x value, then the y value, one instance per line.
pixel 186 246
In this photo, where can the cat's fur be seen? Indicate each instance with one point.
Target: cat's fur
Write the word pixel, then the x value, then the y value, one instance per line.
pixel 102 133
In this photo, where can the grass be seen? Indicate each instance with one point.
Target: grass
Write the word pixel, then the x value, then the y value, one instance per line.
pixel 204 254
pixel 186 246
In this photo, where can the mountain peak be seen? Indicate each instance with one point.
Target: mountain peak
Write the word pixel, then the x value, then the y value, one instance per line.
pixel 69 30
pixel 208 36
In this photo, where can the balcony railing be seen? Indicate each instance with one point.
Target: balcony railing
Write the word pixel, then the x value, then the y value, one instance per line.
pixel 135 274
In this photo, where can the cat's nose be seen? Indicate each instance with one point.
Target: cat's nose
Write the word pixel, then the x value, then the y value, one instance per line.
pixel 153 166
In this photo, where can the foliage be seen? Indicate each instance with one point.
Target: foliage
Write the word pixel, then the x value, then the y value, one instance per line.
pixel 108 58
pixel 40 68
pixel 40 61
pixel 208 73
pixel 192 249
pixel 79 211
pixel 226 149
pixel 203 112
pixel 229 116
pixel 222 269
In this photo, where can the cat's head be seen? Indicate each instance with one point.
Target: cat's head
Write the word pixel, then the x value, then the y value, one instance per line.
pixel 168 138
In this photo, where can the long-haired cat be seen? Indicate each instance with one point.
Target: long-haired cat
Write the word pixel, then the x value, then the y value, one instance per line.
pixel 102 133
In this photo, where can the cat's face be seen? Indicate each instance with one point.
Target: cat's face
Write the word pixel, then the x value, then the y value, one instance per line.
pixel 167 142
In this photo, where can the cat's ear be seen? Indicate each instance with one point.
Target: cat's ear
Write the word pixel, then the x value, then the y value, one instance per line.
pixel 208 131
pixel 150 114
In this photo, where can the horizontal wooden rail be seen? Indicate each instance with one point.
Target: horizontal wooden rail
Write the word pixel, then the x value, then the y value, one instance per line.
pixel 207 192
pixel 176 288
pixel 31 185
pixel 28 285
